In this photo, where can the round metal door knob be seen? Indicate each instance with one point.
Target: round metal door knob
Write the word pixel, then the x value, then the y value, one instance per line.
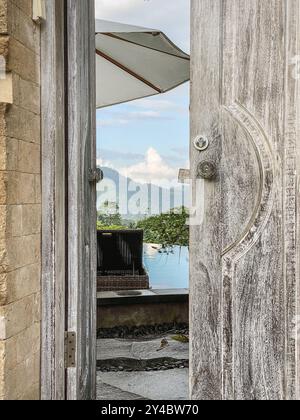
pixel 201 143
pixel 207 170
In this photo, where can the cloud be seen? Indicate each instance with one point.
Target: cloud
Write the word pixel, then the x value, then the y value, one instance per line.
pixel 180 151
pixel 153 169
pixel 145 115
pixel 111 122
pixel 110 7
pixel 111 119
pixel 111 155
pixel 104 163
pixel 160 105
pixel 114 159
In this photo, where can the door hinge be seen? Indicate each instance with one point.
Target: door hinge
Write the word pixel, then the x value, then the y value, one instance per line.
pixel 70 350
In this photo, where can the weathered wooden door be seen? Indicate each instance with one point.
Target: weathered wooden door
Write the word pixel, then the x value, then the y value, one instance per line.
pixel 245 240
pixel 69 201
pixel 81 299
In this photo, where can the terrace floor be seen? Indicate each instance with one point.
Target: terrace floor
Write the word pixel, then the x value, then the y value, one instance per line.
pixel 153 369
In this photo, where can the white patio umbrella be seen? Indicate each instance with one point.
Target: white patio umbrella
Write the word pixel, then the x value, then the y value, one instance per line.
pixel 134 62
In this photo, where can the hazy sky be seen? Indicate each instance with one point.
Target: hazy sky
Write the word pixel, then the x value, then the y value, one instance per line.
pixel 147 139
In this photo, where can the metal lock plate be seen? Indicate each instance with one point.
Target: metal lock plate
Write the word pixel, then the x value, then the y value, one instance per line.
pixel 207 170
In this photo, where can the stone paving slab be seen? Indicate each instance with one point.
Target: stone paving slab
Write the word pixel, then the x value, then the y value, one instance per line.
pixel 108 349
pixel 163 385
pixel 107 392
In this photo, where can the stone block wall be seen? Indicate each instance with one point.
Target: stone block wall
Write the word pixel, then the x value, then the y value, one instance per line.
pixel 20 202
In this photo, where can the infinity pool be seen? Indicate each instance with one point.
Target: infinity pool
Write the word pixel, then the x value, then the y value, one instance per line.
pixel 167 271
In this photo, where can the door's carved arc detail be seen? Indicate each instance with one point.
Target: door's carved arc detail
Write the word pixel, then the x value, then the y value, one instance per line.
pixel 248 238
pixel 265 159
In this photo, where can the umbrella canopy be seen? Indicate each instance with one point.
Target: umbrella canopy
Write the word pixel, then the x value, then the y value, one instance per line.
pixel 134 62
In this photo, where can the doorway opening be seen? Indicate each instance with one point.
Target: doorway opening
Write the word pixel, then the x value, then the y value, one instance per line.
pixel 143 204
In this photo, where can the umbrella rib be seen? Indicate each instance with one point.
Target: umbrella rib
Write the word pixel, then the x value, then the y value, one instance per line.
pixel 127 70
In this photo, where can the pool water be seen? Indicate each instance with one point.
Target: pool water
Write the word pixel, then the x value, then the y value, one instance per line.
pixel 167 271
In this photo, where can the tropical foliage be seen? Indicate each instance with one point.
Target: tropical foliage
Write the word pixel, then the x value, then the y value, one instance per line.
pixel 109 217
pixel 101 226
pixel 167 230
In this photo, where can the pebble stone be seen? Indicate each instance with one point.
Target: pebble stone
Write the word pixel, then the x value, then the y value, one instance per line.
pixel 143 331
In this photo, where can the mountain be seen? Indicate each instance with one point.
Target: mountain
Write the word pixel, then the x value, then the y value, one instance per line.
pixel 137 201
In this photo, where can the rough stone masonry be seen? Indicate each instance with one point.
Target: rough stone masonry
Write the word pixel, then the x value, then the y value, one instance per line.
pixel 20 202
